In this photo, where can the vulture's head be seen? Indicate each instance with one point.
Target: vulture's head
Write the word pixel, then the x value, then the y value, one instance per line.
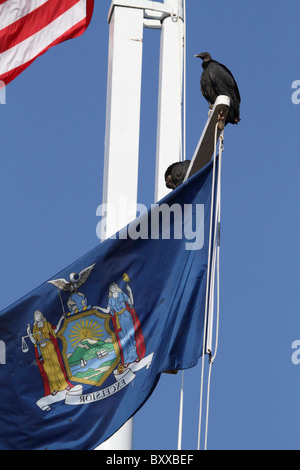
pixel 205 56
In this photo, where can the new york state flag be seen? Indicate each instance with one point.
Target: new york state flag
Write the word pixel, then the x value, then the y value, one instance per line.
pixel 121 315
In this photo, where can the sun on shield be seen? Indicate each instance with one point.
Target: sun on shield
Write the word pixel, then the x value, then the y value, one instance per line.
pixel 90 348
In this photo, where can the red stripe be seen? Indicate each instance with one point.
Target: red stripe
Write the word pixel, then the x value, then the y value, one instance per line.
pixel 89 11
pixel 33 22
pixel 2 1
pixel 73 32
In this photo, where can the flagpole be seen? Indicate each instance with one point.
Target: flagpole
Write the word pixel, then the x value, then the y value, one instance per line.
pixel 127 18
pixel 170 145
pixel 169 119
pixel 120 177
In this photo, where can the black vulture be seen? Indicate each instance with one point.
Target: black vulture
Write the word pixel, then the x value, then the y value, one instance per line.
pixel 217 80
pixel 175 173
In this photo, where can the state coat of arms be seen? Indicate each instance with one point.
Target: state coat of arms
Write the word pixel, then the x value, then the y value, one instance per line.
pixel 90 348
pixel 90 345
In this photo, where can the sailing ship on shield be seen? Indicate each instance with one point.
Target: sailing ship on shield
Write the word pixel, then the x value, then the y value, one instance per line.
pixel 97 342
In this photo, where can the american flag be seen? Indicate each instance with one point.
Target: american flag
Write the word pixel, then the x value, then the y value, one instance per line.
pixel 28 28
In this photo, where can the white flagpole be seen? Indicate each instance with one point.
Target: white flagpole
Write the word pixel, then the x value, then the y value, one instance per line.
pixel 120 180
pixel 169 147
pixel 121 158
pixel 169 125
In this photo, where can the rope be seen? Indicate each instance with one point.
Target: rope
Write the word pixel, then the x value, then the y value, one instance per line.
pixel 206 298
pixel 180 413
pixel 209 275
pixel 218 219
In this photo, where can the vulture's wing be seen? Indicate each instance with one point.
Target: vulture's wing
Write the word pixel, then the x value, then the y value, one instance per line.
pixel 223 81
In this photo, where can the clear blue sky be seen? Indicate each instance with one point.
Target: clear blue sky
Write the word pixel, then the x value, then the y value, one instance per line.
pixel 52 143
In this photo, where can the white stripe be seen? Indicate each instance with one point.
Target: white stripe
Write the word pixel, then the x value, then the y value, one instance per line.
pixel 13 10
pixel 32 46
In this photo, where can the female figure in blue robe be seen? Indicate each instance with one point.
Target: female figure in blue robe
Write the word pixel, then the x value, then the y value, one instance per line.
pixel 126 324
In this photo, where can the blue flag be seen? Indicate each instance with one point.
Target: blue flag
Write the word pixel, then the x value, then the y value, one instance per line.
pixel 129 310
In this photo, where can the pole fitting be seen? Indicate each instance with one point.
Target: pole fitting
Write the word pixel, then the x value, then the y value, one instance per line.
pixel 175 14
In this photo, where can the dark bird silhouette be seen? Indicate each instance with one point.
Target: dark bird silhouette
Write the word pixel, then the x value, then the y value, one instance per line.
pixel 175 174
pixel 217 80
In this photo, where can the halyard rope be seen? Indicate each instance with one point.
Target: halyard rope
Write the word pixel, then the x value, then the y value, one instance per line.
pixel 217 229
pixel 208 284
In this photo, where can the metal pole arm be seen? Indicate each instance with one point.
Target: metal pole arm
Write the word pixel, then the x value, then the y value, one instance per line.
pixel 150 8
pixel 205 147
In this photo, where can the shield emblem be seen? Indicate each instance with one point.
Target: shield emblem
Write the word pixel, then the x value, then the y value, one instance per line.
pixel 90 348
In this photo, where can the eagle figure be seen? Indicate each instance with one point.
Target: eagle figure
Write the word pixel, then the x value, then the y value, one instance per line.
pixel 73 284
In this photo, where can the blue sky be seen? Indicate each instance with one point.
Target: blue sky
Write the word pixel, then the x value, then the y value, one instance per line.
pixel 52 146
